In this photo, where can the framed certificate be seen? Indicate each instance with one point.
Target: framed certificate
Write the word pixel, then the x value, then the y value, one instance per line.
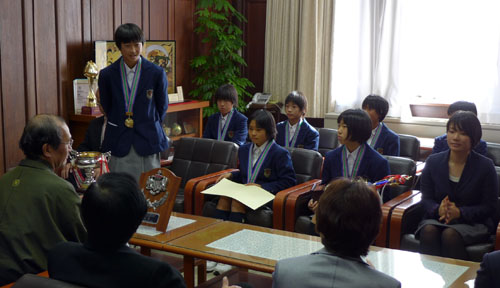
pixel 80 93
pixel 162 53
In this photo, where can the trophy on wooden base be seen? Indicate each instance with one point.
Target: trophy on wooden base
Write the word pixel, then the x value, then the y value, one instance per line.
pixel 91 71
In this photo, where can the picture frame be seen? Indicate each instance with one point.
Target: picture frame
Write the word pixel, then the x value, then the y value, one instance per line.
pixel 160 52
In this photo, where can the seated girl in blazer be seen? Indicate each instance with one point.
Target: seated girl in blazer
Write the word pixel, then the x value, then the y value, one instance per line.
pixel 228 124
pixel 459 192
pixel 296 132
pixel 355 158
pixel 263 163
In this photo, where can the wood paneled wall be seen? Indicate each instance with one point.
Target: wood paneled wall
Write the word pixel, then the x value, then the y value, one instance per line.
pixel 44 45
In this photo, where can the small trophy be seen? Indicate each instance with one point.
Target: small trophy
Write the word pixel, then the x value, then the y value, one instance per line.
pixel 91 72
pixel 87 162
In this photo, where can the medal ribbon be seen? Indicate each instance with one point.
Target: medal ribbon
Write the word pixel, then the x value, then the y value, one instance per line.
pixel 355 167
pixel 377 134
pixel 221 133
pixel 129 93
pixel 291 142
pixel 254 171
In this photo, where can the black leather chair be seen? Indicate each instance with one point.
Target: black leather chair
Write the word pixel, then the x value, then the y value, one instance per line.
pixel 34 281
pixel 399 166
pixel 327 140
pixel 307 165
pixel 493 152
pixel 195 157
pixel 409 146
pixel 406 216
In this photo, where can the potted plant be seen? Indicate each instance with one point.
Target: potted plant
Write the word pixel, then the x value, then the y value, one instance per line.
pixel 216 23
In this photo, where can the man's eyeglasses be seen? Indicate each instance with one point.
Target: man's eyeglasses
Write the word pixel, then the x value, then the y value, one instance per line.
pixel 70 142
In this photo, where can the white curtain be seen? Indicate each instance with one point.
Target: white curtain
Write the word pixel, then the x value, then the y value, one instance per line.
pixel 417 51
pixel 298 51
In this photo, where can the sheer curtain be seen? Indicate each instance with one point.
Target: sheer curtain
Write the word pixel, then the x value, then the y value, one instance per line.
pixel 298 51
pixel 417 51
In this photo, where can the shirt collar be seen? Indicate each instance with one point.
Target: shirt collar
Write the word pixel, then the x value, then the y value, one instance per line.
pixel 375 129
pixel 259 149
pixel 353 152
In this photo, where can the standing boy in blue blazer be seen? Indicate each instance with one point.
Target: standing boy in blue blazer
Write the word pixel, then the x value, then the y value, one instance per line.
pixel 228 124
pixel 382 139
pixel 296 132
pixel 134 97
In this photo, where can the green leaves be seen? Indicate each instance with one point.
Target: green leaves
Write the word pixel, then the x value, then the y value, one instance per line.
pixel 216 22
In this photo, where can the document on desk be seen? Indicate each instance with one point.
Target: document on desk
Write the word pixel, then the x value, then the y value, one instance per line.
pixel 251 196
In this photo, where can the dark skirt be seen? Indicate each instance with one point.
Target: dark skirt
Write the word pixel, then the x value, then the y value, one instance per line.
pixel 471 234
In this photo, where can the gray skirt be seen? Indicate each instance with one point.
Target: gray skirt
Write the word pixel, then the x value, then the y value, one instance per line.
pixel 471 234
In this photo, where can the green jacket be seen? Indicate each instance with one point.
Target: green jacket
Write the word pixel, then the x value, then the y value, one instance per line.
pixel 38 209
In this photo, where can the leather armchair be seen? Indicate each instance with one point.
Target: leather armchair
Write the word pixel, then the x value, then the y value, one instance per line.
pixel 409 146
pixel 307 165
pixel 34 281
pixel 493 152
pixel 399 166
pixel 327 140
pixel 193 159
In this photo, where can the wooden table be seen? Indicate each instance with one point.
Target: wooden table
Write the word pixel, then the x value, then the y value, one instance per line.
pixel 258 249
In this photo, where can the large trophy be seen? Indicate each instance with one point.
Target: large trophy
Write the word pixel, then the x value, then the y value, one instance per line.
pixel 91 72
pixel 87 165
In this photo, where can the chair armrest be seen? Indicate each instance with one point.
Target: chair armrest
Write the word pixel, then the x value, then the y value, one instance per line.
pixel 497 238
pixel 387 209
pixel 292 195
pixel 281 200
pixel 401 213
pixel 189 188
pixel 195 195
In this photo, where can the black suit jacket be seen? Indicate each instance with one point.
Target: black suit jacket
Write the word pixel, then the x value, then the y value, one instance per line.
pixel 487 275
pixel 80 264
pixel 92 141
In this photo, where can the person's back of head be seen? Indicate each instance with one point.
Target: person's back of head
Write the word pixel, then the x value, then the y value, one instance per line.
pixel 377 103
pixel 348 217
pixel 40 130
pixel 112 209
pixel 462 106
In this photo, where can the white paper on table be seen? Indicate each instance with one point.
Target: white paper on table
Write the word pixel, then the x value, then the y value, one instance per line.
pixel 251 196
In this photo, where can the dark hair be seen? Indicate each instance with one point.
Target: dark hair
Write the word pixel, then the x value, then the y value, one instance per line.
pixel 41 129
pixel 265 120
pixel 359 124
pixel 463 106
pixel 227 92
pixel 377 103
pixel 298 98
pixel 467 122
pixel 348 217
pixel 112 209
pixel 127 33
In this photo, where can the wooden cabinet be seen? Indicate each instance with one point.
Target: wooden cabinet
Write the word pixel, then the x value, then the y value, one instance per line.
pixel 188 114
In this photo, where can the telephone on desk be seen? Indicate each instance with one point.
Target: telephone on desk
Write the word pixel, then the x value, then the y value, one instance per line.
pixel 260 98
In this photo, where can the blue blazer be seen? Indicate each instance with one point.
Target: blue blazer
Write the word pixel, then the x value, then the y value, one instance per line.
pixel 387 142
pixel 308 137
pixel 237 131
pixel 487 275
pixel 150 107
pixel 276 173
pixel 476 193
pixel 441 144
pixel 373 166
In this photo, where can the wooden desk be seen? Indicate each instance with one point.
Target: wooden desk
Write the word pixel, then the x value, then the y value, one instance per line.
pixel 259 248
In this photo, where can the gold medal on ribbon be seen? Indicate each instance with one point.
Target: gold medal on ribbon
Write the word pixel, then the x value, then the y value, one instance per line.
pixel 129 122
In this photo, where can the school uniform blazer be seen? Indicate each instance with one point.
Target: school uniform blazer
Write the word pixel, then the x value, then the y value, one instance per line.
pixel 92 141
pixel 387 142
pixel 324 269
pixel 237 131
pixel 441 144
pixel 308 137
pixel 476 193
pixel 151 103
pixel 373 166
pixel 82 265
pixel 487 275
pixel 276 173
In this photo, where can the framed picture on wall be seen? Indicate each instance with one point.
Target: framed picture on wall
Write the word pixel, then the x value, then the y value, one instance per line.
pixel 160 52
